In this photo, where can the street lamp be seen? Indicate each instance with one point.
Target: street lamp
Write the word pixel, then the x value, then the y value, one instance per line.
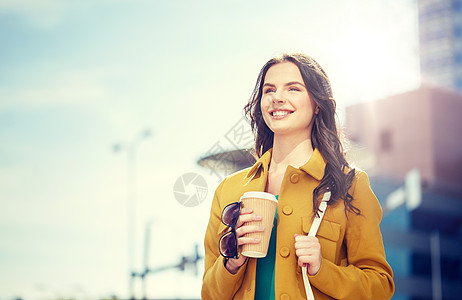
pixel 130 148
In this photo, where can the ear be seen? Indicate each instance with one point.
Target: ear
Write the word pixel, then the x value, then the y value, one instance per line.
pixel 316 111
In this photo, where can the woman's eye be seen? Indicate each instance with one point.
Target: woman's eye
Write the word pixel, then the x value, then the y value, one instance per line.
pixel 294 89
pixel 268 91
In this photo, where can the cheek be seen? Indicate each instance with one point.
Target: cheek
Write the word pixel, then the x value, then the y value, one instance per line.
pixel 308 106
pixel 266 118
pixel 264 102
pixel 264 105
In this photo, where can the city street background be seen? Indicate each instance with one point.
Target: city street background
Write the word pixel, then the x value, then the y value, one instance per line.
pixel 79 77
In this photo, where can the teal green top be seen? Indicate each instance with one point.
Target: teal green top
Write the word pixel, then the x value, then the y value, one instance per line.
pixel 264 284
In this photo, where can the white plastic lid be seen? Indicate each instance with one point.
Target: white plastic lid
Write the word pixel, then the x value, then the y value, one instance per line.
pixel 263 195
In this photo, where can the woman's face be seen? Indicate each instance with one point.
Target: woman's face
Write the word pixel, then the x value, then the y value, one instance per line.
pixel 286 105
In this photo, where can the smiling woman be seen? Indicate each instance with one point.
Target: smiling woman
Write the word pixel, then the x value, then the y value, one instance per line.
pixel 301 162
pixel 286 105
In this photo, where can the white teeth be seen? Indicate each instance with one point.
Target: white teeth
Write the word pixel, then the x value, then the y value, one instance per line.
pixel 280 113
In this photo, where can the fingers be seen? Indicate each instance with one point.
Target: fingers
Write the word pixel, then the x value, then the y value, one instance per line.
pixel 308 251
pixel 304 241
pixel 242 232
pixel 246 210
pixel 243 228
pixel 247 240
pixel 247 216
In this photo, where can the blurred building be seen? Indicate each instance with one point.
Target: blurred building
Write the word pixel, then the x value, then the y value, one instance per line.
pixel 422 224
pixel 418 129
pixel 440 37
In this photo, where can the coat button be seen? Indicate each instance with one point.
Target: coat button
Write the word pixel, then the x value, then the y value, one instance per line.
pixel 284 251
pixel 287 210
pixel 294 178
pixel 285 297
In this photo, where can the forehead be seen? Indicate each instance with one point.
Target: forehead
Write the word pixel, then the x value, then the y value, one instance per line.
pixel 283 72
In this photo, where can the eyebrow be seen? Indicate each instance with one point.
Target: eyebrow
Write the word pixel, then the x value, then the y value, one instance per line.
pixel 287 84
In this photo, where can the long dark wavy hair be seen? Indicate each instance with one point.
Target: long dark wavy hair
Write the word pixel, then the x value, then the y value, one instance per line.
pixel 325 136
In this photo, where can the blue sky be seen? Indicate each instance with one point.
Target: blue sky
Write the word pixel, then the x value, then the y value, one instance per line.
pixel 77 77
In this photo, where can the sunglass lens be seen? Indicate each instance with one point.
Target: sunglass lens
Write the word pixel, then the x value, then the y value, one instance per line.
pixel 230 214
pixel 228 244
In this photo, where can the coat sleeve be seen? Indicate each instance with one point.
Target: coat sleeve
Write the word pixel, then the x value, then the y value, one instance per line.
pixel 217 282
pixel 367 275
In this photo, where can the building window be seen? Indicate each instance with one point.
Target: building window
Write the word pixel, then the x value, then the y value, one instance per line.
pixel 385 141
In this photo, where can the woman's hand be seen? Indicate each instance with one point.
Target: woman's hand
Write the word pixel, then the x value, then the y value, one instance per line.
pixel 308 251
pixel 247 215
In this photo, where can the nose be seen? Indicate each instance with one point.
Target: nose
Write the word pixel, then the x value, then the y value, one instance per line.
pixel 277 99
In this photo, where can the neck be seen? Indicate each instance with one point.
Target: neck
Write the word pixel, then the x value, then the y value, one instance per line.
pixel 290 150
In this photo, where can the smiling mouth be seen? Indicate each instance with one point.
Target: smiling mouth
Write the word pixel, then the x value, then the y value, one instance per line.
pixel 280 113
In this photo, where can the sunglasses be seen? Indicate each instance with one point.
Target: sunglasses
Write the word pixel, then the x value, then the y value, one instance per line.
pixel 228 241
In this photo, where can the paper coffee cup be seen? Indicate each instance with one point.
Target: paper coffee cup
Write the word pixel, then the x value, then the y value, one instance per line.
pixel 263 204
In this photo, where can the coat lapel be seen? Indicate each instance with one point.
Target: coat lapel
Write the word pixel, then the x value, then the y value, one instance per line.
pixel 257 176
pixel 315 165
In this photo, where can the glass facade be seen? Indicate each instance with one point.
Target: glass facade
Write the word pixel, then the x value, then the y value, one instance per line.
pixel 440 37
pixel 424 245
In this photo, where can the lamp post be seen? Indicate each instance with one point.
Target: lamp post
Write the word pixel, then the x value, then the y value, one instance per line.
pixel 130 148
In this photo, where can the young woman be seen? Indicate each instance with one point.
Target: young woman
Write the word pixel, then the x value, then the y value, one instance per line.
pixel 292 114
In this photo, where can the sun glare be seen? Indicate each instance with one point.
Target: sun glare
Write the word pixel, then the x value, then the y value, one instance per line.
pixel 367 64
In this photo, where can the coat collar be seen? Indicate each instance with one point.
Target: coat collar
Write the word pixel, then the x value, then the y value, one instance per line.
pixel 262 162
pixel 314 167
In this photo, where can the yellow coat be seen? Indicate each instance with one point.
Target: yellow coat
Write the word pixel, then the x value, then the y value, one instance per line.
pixel 353 258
